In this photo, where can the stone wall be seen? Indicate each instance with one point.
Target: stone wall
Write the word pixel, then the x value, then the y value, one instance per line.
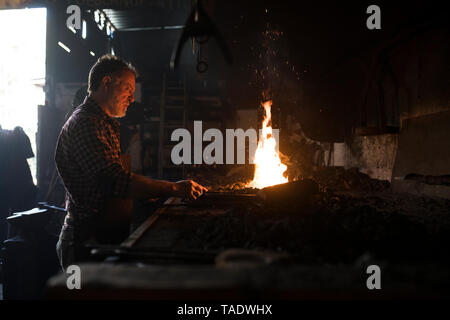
pixel 373 155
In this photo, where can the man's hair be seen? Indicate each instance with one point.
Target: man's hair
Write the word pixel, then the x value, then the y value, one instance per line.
pixel 107 65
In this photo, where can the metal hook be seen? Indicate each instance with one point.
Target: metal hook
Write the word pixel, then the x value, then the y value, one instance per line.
pixel 198 25
pixel 202 66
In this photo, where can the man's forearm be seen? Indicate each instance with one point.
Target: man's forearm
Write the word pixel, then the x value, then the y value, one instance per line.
pixel 143 187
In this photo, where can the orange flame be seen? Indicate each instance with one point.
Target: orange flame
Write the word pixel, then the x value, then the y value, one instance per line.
pixel 269 170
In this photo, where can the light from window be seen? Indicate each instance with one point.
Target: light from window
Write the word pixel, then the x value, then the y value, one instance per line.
pixel 22 78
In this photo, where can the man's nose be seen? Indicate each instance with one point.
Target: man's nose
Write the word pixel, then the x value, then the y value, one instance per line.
pixel 131 98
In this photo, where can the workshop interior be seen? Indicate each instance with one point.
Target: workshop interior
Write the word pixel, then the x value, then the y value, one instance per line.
pixel 320 129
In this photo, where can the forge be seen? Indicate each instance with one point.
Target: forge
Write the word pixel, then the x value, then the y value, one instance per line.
pixel 303 238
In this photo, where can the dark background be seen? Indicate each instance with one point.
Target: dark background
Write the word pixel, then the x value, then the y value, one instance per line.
pixel 325 57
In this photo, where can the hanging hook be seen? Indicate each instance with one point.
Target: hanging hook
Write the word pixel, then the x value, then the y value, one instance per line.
pixel 200 27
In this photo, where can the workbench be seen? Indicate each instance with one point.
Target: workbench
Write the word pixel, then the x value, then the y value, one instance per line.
pixel 158 261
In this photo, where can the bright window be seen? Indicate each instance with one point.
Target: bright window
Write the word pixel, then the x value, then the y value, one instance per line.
pixel 22 70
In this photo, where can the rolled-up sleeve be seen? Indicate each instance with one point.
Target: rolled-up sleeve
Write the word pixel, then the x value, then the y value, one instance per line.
pixel 97 153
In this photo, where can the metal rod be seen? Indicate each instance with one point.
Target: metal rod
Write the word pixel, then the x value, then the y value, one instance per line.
pixel 137 234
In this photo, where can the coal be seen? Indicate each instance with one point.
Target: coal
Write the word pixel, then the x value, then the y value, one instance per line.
pixel 338 216
pixel 292 194
pixel 433 180
pixel 339 179
pixel 334 228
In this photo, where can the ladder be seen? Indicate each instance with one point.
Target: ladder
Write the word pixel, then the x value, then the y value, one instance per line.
pixel 173 115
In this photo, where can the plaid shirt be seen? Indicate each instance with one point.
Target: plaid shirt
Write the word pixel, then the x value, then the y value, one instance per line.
pixel 88 160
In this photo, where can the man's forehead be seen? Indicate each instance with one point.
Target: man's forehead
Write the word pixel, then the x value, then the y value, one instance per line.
pixel 125 75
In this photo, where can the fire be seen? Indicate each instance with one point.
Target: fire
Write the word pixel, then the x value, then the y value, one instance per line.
pixel 269 170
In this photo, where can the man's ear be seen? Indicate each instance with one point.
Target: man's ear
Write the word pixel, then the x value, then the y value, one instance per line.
pixel 106 81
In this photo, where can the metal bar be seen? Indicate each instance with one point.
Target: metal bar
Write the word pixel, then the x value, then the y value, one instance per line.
pixel 151 28
pixel 152 253
pixel 137 234
pixel 225 193
pixel 217 199
pixel 45 205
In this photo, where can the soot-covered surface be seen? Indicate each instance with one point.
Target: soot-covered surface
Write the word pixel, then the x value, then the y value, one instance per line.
pixel 352 216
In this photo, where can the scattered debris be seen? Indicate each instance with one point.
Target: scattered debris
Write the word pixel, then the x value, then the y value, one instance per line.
pixel 349 215
pixel 434 180
pixel 339 179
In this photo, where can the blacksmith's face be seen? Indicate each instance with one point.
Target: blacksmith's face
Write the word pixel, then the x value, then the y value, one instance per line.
pixel 121 93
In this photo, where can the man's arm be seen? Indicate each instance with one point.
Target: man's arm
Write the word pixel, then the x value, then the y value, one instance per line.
pixel 97 159
pixel 142 187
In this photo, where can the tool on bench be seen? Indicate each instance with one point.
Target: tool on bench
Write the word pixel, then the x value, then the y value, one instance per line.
pixel 137 234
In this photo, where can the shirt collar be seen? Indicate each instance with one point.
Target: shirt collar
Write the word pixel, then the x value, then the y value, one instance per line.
pixel 96 109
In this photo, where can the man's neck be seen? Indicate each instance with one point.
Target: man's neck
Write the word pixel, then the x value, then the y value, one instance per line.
pixel 100 102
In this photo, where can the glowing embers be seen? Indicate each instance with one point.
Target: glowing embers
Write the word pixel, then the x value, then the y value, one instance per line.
pixel 269 170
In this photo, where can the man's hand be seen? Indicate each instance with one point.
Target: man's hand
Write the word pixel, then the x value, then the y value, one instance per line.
pixel 143 188
pixel 188 189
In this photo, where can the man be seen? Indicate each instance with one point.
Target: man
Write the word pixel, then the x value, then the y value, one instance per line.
pixel 88 159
